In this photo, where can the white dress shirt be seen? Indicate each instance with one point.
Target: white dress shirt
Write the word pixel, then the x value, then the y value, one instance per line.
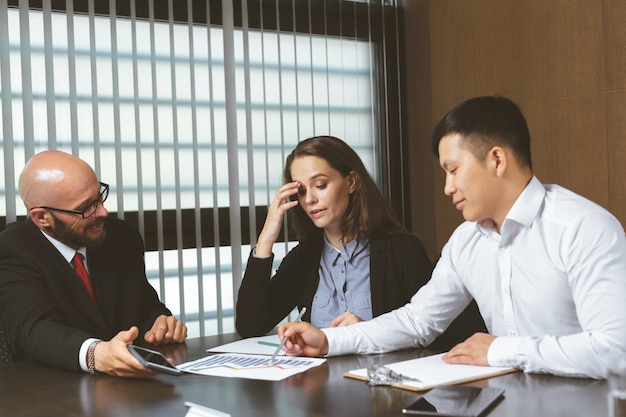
pixel 551 286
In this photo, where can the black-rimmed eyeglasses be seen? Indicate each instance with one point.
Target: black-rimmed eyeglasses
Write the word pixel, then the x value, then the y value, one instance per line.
pixel 91 208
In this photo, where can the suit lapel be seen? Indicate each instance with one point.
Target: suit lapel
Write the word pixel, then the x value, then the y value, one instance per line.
pixel 81 298
pixel 105 283
pixel 66 278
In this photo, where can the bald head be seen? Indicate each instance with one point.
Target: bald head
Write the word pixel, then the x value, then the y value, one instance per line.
pixel 56 179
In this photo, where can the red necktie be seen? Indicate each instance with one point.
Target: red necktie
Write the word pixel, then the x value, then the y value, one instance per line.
pixel 79 268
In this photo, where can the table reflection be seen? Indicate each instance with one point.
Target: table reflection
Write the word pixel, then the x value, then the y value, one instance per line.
pixel 110 396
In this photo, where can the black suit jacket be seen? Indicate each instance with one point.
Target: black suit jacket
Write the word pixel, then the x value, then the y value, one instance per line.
pixel 44 308
pixel 399 266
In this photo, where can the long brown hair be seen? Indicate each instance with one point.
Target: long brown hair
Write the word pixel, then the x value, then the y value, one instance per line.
pixel 369 214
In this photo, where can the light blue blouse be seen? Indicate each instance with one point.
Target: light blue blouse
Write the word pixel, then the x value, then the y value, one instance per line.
pixel 344 283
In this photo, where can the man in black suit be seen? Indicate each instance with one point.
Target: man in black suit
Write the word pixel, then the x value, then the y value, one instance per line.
pixel 48 314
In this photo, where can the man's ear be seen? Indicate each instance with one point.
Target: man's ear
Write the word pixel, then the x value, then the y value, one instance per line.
pixel 40 217
pixel 498 158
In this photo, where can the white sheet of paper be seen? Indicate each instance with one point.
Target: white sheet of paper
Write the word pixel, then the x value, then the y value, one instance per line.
pixel 264 345
pixel 237 365
pixel 433 371
pixel 197 410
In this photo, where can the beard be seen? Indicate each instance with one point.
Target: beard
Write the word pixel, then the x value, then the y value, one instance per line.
pixel 63 233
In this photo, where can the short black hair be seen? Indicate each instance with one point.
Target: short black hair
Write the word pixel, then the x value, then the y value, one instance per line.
pixel 485 122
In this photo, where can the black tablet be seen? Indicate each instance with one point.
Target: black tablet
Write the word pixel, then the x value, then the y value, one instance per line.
pixel 455 401
pixel 154 360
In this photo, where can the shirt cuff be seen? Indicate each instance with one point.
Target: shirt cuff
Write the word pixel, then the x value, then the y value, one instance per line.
pixel 82 354
pixel 503 351
pixel 340 340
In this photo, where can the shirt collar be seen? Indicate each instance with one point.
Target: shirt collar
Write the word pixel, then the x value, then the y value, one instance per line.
pixel 528 204
pixel 331 253
pixel 524 210
pixel 67 252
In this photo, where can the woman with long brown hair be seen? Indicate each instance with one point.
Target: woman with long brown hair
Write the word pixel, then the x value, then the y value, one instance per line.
pixel 354 260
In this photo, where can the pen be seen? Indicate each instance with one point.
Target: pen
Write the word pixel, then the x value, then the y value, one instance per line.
pixel 282 343
pixel 264 343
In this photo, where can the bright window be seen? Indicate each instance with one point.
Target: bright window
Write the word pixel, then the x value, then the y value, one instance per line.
pixel 145 103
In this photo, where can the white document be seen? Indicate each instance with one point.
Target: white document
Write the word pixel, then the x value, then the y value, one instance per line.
pixel 237 365
pixel 264 345
pixel 433 371
pixel 196 410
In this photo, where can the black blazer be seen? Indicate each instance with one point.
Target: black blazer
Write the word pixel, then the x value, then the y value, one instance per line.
pixel 399 266
pixel 44 308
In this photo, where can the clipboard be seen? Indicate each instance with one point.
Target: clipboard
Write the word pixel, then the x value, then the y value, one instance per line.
pixel 432 371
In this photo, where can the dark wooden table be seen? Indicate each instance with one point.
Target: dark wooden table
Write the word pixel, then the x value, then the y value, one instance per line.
pixel 28 389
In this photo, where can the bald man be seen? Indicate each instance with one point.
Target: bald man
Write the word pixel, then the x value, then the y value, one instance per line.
pixel 48 314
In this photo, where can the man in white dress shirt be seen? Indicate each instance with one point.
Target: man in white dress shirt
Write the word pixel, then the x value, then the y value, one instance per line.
pixel 546 266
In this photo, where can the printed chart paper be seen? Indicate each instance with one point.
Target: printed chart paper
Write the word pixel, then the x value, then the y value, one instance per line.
pixel 264 345
pixel 233 365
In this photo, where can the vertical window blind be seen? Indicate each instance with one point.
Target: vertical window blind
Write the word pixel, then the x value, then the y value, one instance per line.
pixel 188 110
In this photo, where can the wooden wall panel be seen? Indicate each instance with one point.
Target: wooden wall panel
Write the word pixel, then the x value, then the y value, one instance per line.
pixel 423 187
pixel 563 61
pixel 569 145
pixel 615 52
pixel 615 43
pixel 616 166
pixel 531 50
pixel 419 122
